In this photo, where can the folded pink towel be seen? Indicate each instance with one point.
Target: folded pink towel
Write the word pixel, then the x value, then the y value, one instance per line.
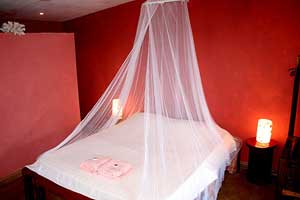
pixel 114 169
pixel 91 165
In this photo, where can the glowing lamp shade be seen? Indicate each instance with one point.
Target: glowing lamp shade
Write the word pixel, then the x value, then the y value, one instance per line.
pixel 264 131
pixel 117 109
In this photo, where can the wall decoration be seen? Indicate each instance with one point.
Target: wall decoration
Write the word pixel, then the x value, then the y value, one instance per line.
pixel 13 27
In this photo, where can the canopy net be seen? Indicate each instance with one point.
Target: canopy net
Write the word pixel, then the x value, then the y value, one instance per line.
pixel 160 79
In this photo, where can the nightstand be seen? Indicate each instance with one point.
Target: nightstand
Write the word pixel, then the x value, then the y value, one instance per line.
pixel 260 161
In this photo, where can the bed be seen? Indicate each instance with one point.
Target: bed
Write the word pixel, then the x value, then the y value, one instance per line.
pixel 58 171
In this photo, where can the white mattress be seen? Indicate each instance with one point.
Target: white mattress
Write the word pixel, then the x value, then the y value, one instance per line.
pixel 124 142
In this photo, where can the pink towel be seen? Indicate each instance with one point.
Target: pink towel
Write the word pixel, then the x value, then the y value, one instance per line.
pixel 114 169
pixel 91 165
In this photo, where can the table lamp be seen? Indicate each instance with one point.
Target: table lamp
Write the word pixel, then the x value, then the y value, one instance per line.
pixel 117 109
pixel 264 131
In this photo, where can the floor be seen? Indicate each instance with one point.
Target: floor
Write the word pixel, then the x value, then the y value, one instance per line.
pixel 235 187
pixel 12 190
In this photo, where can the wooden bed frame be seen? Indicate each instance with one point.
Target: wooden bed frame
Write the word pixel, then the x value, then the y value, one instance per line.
pixel 39 188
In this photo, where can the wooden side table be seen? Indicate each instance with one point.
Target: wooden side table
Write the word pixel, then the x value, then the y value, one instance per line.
pixel 260 161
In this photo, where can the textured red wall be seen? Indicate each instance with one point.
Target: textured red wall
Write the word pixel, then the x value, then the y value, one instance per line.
pixel 39 97
pixel 244 50
pixel 103 40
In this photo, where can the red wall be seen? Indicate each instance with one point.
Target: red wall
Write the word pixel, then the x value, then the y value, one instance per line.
pixel 103 41
pixel 244 50
pixel 39 97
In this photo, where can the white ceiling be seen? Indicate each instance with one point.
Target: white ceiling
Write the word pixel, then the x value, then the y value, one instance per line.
pixel 55 10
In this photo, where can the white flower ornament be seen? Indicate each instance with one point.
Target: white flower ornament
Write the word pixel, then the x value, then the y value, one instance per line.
pixel 13 27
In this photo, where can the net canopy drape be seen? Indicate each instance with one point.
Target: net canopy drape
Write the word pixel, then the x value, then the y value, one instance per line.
pixel 160 78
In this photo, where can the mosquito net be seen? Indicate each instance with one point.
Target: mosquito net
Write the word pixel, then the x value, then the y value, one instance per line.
pixel 160 79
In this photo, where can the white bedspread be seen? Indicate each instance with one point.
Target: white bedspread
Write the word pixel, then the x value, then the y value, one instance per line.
pixel 125 142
